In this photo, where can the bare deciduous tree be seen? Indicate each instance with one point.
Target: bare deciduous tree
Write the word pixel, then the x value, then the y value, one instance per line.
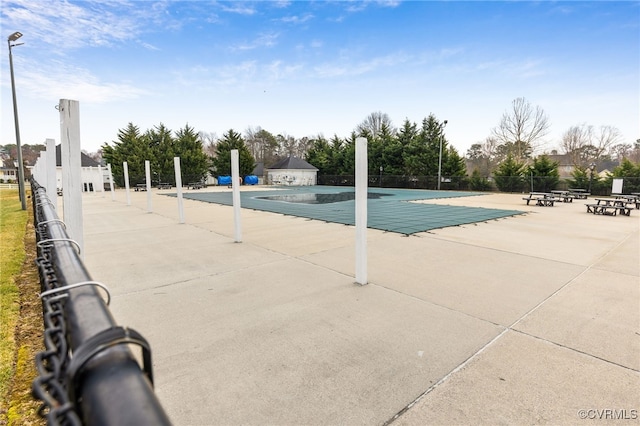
pixel 372 125
pixel 605 138
pixel 288 145
pixel 585 145
pixel 485 156
pixel 573 142
pixel 253 142
pixel 522 128
pixel 209 140
pixel 621 150
pixel 634 155
pixel 262 145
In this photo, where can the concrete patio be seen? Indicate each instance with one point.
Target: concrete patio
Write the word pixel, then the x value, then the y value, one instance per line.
pixel 522 320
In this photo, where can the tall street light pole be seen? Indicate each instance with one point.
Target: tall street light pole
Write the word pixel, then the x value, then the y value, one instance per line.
pixel 10 41
pixel 444 123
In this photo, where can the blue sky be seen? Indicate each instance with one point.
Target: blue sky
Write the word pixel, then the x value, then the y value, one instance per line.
pixel 304 68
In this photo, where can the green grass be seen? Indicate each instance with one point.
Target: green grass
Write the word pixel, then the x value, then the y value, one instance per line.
pixel 13 222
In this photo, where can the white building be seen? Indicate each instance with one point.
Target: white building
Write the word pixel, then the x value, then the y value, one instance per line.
pixel 292 171
pixel 8 171
pixel 89 172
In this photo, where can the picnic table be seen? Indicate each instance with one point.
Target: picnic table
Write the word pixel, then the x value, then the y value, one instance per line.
pixel 195 185
pixel 564 196
pixel 579 193
pixel 609 207
pixel 544 199
pixel 164 185
pixel 629 198
pixel 140 187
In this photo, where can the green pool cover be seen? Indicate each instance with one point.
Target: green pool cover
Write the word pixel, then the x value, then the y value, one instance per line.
pixel 388 209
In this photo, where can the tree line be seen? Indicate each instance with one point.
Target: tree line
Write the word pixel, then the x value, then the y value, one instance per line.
pixel 159 146
pixel 542 175
pixel 520 134
pixel 413 150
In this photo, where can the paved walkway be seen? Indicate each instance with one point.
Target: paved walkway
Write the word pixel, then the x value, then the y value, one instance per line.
pixel 523 320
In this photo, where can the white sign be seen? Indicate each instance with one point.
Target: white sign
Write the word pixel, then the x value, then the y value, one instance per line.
pixel 616 187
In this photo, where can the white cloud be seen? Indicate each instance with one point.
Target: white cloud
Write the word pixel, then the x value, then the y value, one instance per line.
pixel 263 40
pixel 279 70
pixel 342 68
pixel 67 25
pixel 296 19
pixel 355 6
pixel 91 23
pixel 57 80
pixel 239 9
pixel 148 46
pixel 449 52
pixel 389 3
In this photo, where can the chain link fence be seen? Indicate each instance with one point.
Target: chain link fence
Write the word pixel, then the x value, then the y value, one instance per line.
pixel 87 374
pixel 513 184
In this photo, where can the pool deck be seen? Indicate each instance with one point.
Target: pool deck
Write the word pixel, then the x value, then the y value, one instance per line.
pixel 527 319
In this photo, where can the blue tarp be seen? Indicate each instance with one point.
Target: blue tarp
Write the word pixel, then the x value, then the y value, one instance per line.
pixel 224 180
pixel 251 180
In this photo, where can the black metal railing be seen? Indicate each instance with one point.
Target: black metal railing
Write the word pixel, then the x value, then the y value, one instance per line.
pixel 88 374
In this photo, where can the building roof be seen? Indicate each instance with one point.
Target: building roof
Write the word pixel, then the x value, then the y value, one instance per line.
pixel 292 163
pixel 8 164
pixel 85 160
pixel 258 170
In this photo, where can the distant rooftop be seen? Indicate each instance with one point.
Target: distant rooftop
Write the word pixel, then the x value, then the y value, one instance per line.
pixel 85 160
pixel 293 163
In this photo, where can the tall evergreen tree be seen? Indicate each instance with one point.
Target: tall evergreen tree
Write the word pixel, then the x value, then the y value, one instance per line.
pixel 349 155
pixel 161 143
pixel 319 155
pixel 630 172
pixel 130 147
pixel 221 164
pixel 579 178
pixel 453 165
pixel 544 173
pixel 194 163
pixel 393 151
pixel 421 155
pixel 159 147
pixel 509 175
pixel 382 152
pixel 337 154
pixel 415 150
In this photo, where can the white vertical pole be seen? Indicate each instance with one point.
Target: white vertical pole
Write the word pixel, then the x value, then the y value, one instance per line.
pixel 176 166
pixel 101 180
pixel 235 185
pixel 52 175
pixel 113 196
pixel 71 169
pixel 147 171
pixel 125 166
pixel 361 210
